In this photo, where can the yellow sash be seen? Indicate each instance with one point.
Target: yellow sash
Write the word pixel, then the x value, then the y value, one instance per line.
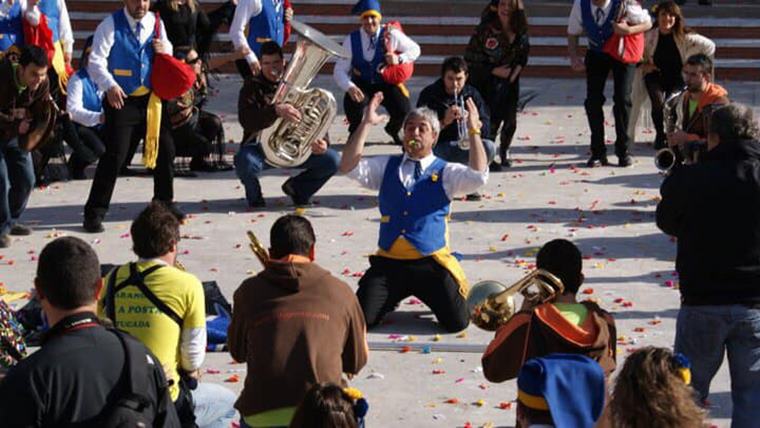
pixel 59 65
pixel 152 128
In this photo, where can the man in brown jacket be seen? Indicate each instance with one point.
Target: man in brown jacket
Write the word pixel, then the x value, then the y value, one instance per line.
pixel 561 326
pixel 26 119
pixel 295 325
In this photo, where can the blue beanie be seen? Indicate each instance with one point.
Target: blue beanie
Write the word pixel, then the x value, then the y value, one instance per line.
pixel 366 6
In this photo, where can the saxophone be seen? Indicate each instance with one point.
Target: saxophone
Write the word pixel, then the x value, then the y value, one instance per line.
pixel 287 144
pixel 666 158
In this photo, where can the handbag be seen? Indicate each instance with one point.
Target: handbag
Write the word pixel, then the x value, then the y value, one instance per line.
pixel 169 77
pixel 394 74
pixel 626 49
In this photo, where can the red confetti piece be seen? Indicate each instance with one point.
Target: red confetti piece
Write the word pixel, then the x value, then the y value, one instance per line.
pixel 655 322
pixel 233 379
pixel 213 371
pixel 347 233
pixel 505 405
pixel 619 300
pixel 639 329
pixel 588 291
pixel 439 371
pixel 504 237
pixel 627 304
pixel 452 401
pixel 405 349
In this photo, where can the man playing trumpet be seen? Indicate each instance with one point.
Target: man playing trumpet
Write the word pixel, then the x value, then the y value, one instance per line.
pixel 559 326
pixel 416 190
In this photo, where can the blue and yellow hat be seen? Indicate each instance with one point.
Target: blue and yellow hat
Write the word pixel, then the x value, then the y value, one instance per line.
pixel 570 386
pixel 367 7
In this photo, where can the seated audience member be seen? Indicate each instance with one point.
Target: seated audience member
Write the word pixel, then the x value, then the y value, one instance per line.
pixel 84 103
pixel 652 390
pixel 447 96
pixel 560 390
pixel 359 75
pixel 563 325
pixel 416 189
pixel 295 325
pixel 330 405
pixel 164 307
pixel 78 374
pixel 257 113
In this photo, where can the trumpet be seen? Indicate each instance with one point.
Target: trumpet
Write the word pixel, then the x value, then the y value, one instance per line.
pixel 491 304
pixel 463 133
pixel 255 245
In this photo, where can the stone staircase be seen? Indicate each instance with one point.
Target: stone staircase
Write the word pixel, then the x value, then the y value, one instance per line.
pixel 444 28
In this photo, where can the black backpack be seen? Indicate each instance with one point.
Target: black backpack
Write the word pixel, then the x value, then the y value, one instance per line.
pixel 134 409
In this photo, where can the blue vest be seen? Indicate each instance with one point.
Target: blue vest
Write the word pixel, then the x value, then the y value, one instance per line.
pixel 367 70
pixel 11 31
pixel 418 214
pixel 129 62
pixel 90 99
pixel 267 25
pixel 596 34
pixel 50 9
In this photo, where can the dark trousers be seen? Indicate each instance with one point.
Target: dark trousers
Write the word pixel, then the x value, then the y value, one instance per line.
pixel 502 101
pixel 394 100
pixel 659 89
pixel 598 67
pixel 389 281
pixel 120 128
pixel 87 147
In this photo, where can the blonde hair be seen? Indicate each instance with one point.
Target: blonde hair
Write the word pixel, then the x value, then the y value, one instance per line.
pixel 650 392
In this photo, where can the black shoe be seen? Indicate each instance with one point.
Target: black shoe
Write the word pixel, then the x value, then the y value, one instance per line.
pixel 625 161
pixel 93 225
pixel 595 161
pixel 201 166
pixel 258 203
pixel 287 188
pixel 506 163
pixel 474 197
pixel 494 167
pixel 178 213
pixel 19 229
pixel 660 143
pixel 5 241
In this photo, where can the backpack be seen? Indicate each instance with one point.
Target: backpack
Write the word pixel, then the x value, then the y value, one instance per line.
pixel 133 409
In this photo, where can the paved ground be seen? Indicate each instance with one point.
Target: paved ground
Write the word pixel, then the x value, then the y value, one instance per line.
pixel 608 212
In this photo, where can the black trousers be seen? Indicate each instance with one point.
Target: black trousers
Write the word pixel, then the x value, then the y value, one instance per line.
pixel 598 67
pixel 659 88
pixel 502 101
pixel 120 128
pixel 87 148
pixel 394 100
pixel 389 281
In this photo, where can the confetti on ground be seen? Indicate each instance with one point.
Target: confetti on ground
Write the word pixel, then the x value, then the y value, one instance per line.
pixel 233 379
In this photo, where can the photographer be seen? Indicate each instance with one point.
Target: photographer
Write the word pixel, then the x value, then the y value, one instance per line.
pixel 713 209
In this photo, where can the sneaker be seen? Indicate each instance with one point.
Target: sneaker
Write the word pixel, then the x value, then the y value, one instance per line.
pixel 5 241
pixel 595 161
pixel 474 197
pixel 625 161
pixel 93 225
pixel 19 229
pixel 287 188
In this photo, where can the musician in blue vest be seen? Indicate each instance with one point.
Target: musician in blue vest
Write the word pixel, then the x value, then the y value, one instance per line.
pixel 415 193
pixel 11 30
pixel 358 75
pixel 597 20
pixel 120 65
pixel 84 104
pixel 265 20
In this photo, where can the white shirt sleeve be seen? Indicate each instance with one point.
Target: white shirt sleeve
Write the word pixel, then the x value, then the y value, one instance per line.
pixel 575 21
pixel 192 348
pixel 342 69
pixel 243 13
pixel 65 34
pixel 400 42
pixel 369 172
pixel 460 180
pixel 101 48
pixel 75 106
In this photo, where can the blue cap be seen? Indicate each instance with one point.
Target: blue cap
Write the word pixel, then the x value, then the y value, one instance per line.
pixel 570 386
pixel 366 6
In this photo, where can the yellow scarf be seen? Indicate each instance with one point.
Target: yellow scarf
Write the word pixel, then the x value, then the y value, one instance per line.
pixel 152 128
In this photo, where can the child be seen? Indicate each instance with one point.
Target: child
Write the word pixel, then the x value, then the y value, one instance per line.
pixel 328 405
pixel 653 391
pixel 563 325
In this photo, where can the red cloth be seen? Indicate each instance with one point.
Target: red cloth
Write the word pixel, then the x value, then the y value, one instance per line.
pixel 286 35
pixel 626 49
pixel 40 35
pixel 169 77
pixel 395 74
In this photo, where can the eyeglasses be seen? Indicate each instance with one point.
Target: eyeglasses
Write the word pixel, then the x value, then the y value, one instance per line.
pixel 193 61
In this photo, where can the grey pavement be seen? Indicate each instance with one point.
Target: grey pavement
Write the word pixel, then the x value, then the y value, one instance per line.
pixel 607 212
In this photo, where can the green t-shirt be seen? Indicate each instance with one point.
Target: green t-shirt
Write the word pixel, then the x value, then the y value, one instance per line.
pixel 576 313
pixel 692 107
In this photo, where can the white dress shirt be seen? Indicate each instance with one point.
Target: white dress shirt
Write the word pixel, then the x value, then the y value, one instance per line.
pixel 400 42
pixel 104 40
pixel 245 10
pixel 634 15
pixel 458 179
pixel 65 35
pixel 75 105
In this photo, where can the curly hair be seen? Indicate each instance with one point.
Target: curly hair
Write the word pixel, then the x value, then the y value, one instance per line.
pixel 650 393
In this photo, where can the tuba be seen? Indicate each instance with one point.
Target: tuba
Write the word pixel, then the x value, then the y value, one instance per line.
pixel 491 304
pixel 666 158
pixel 287 144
